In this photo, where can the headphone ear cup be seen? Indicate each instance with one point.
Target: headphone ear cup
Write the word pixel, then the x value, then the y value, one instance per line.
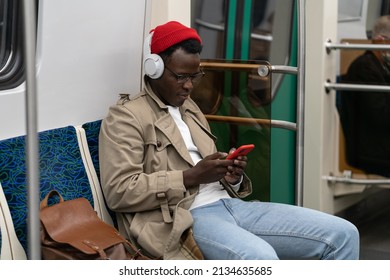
pixel 153 66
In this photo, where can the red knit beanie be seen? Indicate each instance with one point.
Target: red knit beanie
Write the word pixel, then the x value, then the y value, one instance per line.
pixel 169 34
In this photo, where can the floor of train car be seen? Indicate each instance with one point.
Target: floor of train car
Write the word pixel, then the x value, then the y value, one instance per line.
pixel 372 218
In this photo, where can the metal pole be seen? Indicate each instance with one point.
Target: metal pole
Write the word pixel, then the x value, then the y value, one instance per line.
pixel 284 69
pixel 32 144
pixel 356 87
pixel 349 46
pixel 252 121
pixel 300 104
pixel 346 180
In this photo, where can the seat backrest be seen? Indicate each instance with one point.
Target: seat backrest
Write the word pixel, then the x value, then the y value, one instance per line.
pixel 61 168
pixel 92 130
pixel 10 247
pixel 89 139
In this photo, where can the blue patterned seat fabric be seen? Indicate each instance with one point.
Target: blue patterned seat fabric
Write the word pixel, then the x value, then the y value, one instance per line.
pixel 61 168
pixel 92 130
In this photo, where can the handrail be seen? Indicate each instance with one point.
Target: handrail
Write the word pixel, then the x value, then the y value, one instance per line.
pixel 229 66
pixel 349 46
pixel 347 180
pixel 209 25
pixel 284 69
pixel 265 70
pixel 251 121
pixel 356 87
pixel 218 27
pixel 262 69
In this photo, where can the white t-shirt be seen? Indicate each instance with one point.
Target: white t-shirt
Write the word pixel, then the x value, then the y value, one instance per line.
pixel 210 192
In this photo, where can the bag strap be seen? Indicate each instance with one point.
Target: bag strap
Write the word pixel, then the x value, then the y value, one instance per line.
pixel 162 198
pixel 135 253
pixel 51 193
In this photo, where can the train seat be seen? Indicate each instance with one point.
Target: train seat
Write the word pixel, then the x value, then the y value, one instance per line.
pixel 61 167
pixel 10 247
pixel 88 135
pixel 92 130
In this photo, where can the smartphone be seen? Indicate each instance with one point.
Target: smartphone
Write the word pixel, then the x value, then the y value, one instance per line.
pixel 241 151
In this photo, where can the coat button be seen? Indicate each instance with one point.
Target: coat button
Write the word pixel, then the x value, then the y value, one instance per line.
pixel 159 144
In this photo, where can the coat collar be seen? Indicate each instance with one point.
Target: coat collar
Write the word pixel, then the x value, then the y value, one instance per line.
pixel 189 104
pixel 190 113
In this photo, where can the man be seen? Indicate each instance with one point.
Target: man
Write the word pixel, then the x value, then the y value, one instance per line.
pixel 365 115
pixel 162 174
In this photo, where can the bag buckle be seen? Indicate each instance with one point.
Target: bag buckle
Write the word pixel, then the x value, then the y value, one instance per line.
pixel 161 196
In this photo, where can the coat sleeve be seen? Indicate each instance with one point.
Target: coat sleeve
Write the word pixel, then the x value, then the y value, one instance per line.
pixel 126 186
pixel 244 190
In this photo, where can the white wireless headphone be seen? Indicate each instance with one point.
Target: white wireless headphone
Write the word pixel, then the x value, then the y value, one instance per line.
pixel 153 63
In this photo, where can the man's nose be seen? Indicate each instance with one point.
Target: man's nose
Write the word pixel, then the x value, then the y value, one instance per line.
pixel 188 84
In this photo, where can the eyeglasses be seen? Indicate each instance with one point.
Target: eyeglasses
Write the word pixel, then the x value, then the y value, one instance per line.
pixel 183 78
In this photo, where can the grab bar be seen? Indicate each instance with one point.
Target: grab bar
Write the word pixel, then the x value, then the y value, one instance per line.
pixel 347 180
pixel 356 87
pixel 348 46
pixel 218 27
pixel 252 121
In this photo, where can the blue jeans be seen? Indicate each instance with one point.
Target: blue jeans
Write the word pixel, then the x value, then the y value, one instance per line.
pixel 235 229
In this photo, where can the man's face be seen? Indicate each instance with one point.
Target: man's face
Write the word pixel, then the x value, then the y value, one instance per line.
pixel 168 88
pixel 384 55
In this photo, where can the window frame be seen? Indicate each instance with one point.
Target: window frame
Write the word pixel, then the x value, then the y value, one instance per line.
pixel 11 47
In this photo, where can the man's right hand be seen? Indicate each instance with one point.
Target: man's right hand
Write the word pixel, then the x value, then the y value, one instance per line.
pixel 210 169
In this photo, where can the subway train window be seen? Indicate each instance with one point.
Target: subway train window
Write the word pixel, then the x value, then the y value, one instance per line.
pixel 257 29
pixel 247 30
pixel 11 48
pixel 350 10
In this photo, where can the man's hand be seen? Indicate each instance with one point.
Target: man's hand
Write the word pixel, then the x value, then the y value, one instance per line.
pixel 210 169
pixel 236 169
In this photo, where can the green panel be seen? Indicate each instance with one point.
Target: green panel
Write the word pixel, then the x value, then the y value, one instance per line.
pixel 246 30
pixel 231 29
pixel 282 140
pixel 258 168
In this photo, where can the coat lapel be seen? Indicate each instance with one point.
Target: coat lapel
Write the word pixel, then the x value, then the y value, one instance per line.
pixel 169 128
pixel 206 145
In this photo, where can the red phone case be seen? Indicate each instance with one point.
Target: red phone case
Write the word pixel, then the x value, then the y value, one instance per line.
pixel 241 151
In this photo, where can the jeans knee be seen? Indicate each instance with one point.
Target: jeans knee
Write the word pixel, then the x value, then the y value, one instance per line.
pixel 355 239
pixel 352 233
pixel 350 247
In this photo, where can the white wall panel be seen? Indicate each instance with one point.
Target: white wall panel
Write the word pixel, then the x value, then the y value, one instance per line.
pixel 87 52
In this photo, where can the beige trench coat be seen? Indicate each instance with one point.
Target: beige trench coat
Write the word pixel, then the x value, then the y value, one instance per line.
pixel 142 157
